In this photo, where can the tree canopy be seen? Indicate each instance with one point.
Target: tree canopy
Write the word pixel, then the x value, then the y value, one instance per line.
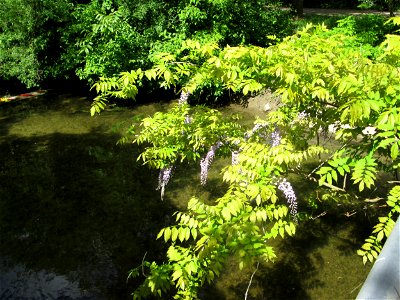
pixel 41 39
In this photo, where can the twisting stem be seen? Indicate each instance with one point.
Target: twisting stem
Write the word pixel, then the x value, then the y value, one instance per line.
pixel 251 279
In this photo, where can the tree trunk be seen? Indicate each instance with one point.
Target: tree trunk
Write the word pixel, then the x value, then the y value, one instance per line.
pixel 391 8
pixel 299 7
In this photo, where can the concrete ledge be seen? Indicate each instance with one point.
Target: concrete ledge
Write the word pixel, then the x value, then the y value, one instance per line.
pixel 383 281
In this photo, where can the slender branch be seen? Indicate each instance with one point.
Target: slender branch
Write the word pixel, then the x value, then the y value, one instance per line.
pixel 356 287
pixel 350 213
pixel 374 200
pixel 327 103
pixel 320 215
pixel 251 279
pixel 142 264
pixel 317 167
pixel 335 188
pixel 325 183
pixel 181 63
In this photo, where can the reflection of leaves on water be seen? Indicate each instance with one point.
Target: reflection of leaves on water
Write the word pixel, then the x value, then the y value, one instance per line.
pixel 100 269
pixel 99 153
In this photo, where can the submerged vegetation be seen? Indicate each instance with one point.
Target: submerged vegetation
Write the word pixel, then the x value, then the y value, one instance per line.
pixel 340 83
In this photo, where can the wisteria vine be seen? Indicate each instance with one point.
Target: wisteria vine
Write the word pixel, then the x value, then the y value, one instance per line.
pixel 165 173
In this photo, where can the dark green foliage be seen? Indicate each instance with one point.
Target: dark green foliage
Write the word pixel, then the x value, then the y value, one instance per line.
pixel 29 38
pixel 42 39
pixel 379 4
pixel 369 29
pixel 111 37
pixel 119 35
pixel 340 4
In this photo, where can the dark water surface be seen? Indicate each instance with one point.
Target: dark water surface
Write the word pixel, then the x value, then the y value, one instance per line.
pixel 77 212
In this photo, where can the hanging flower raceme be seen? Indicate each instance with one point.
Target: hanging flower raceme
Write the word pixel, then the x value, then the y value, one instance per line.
pixel 256 127
pixel 235 157
pixel 302 115
pixel 183 98
pixel 369 130
pixel 188 119
pixel 163 178
pixel 206 161
pixel 275 138
pixel 287 189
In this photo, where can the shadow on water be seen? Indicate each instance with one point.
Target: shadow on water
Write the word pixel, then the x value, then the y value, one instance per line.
pixel 77 204
pixel 77 212
pixel 319 262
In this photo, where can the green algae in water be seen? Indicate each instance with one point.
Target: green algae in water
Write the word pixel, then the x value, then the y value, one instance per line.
pixel 75 203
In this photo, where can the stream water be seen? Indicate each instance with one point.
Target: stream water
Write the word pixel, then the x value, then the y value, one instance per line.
pixel 77 212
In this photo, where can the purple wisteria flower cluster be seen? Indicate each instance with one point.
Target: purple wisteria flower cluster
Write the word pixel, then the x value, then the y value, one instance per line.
pixel 163 178
pixel 302 115
pixel 183 98
pixel 188 119
pixel 287 189
pixel 256 127
pixel 275 138
pixel 303 118
pixel 235 157
pixel 206 161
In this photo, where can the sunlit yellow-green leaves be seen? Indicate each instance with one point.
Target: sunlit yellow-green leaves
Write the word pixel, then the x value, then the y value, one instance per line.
pixel 373 244
pixel 317 74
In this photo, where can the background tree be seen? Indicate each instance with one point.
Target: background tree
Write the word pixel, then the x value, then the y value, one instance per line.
pixel 42 39
pixel 30 38
pixel 299 7
pixel 391 5
pixel 120 35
